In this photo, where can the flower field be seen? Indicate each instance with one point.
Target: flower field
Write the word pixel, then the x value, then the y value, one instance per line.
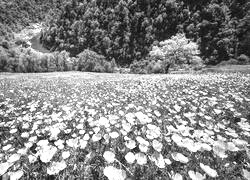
pixel 136 127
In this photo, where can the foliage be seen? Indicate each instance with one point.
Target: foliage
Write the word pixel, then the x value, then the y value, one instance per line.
pixel 26 60
pixel 244 59
pixel 127 29
pixel 139 67
pixel 92 62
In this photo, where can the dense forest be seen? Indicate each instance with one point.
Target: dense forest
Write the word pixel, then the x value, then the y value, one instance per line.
pixel 126 30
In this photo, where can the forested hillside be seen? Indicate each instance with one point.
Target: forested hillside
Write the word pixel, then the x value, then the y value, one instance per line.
pixel 126 29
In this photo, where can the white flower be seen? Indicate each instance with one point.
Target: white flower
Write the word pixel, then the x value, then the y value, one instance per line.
pixel 67 131
pixel 114 135
pixel 205 147
pixel 113 119
pixel 131 144
pixel 25 135
pixel 96 129
pixel 217 111
pixel 157 145
pixel 167 161
pixel 83 143
pixel 153 132
pixel 141 158
pixel 142 141
pixel 22 151
pixel 7 147
pixel 106 137
pixel 126 127
pixel 33 139
pixel 158 159
pixel 143 147
pixel 211 172
pixel 180 157
pixel 113 173
pixel 86 137
pixel 109 156
pixel 177 176
pixel 54 131
pixel 96 137
pixel 43 143
pixel 59 144
pixel 79 126
pixel 14 157
pixel 196 175
pixel 157 113
pixel 177 108
pixel 82 132
pixel 177 138
pixel 65 154
pixel 12 131
pixel 4 167
pixel 73 143
pixel 104 122
pixel 16 175
pixel 46 153
pixel 219 148
pixel 56 167
pixel 190 145
pixel 32 158
pixel 130 118
pixel 231 147
pixel 130 157
pixel 144 119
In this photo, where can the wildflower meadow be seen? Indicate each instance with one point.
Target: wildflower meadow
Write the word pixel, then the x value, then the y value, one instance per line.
pixel 125 127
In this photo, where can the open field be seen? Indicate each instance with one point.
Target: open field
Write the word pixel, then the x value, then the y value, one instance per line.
pixel 123 126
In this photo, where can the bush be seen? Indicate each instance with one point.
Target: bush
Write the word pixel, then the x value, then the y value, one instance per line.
pixel 139 67
pixel 243 59
pixel 229 62
pixel 90 61
pixel 197 63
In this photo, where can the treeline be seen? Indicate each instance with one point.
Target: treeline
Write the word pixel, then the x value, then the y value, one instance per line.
pixel 126 30
pixel 25 60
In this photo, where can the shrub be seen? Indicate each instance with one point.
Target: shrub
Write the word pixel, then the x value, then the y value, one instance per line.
pixel 197 63
pixel 139 67
pixel 243 59
pixel 156 67
pixel 229 62
pixel 90 61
